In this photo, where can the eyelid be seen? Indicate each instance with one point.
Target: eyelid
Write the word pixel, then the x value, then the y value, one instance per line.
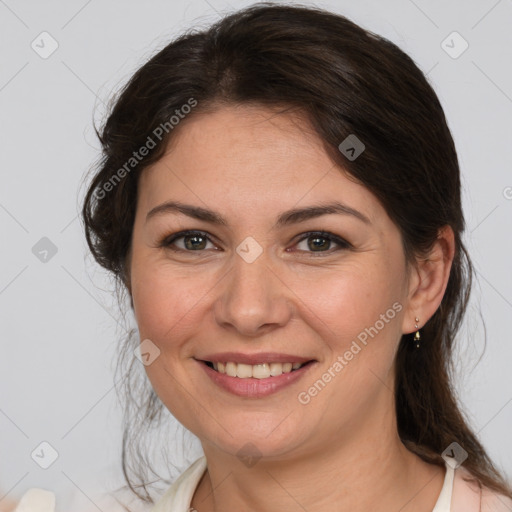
pixel 167 241
pixel 342 243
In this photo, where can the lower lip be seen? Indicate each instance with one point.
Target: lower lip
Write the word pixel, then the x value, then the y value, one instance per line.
pixel 254 388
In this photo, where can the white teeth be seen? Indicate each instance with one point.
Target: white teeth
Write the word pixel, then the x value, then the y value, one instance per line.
pixel 231 369
pixel 261 371
pixel 256 371
pixel 287 367
pixel 276 369
pixel 244 371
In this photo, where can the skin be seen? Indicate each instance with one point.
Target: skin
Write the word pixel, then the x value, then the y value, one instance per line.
pixel 250 164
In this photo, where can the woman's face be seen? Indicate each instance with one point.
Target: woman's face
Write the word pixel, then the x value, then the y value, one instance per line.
pixel 262 287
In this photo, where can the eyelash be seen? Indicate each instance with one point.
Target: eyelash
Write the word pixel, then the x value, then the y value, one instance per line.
pixel 169 240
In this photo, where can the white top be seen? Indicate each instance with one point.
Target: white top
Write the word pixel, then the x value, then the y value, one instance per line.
pixel 457 495
pixel 179 496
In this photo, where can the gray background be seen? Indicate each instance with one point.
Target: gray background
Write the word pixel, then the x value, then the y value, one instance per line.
pixel 59 320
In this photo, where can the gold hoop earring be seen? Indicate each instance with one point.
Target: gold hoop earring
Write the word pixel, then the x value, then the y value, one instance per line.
pixel 417 336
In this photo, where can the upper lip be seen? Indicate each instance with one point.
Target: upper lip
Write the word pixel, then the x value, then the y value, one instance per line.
pixel 252 359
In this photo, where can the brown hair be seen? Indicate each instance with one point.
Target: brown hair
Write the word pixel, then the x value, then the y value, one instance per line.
pixel 345 80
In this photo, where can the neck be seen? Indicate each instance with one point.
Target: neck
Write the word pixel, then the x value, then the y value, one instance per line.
pixel 366 469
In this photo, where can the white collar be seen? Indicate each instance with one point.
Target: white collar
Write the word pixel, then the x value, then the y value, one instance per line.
pixel 181 492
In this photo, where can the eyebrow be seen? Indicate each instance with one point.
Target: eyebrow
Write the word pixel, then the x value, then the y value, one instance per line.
pixel 284 219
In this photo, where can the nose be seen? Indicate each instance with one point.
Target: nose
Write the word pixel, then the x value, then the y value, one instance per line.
pixel 253 299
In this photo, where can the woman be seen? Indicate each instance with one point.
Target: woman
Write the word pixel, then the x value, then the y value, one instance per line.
pixel 280 197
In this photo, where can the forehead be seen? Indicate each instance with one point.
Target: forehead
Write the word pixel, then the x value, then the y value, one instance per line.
pixel 250 158
pixel 248 137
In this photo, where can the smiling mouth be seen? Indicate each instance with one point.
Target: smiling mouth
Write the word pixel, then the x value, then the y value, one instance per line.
pixel 254 371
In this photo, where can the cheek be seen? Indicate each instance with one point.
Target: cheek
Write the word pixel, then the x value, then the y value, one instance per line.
pixel 351 299
pixel 167 302
pixel 167 306
pixel 358 316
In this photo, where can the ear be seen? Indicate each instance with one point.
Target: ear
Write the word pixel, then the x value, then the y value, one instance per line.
pixel 428 281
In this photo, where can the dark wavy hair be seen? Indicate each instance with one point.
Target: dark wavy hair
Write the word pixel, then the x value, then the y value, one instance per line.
pixel 344 80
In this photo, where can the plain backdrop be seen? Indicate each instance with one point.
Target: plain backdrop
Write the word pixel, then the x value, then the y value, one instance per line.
pixel 59 319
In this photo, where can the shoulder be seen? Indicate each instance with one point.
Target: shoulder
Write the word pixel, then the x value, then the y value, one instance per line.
pixel 494 502
pixel 41 500
pixel 469 496
pixel 36 500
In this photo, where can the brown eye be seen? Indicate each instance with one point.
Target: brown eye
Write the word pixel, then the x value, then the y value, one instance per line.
pixel 193 241
pixel 321 242
pixel 318 242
